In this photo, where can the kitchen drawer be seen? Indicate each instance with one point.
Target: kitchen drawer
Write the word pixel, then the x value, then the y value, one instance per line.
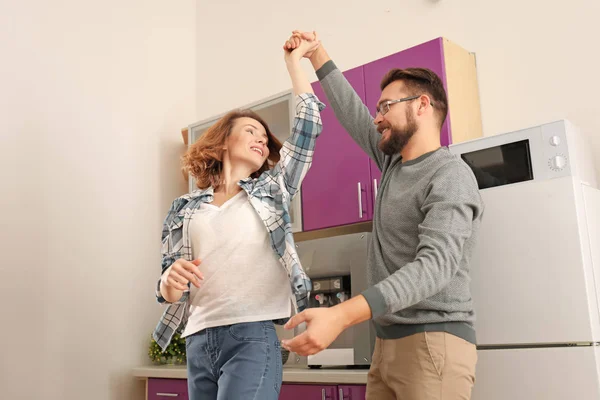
pixel 167 389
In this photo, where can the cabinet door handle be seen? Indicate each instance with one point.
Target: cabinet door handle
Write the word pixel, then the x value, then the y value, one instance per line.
pixel 375 186
pixel 167 394
pixel 323 394
pixel 360 211
pixel 341 394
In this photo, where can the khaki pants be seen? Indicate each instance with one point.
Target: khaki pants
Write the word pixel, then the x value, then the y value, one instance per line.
pixel 423 366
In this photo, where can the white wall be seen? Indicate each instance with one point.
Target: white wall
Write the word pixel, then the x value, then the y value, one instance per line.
pixel 532 68
pixel 93 95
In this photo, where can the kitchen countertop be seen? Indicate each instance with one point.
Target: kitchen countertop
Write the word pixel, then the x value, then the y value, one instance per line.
pixel 291 374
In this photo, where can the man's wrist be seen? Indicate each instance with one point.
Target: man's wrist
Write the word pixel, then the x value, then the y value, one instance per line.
pixel 341 316
pixel 353 311
pixel 319 57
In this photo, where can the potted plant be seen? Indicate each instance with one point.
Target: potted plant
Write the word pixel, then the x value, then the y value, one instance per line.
pixel 174 354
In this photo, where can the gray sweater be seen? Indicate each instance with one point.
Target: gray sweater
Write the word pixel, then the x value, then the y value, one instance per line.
pixel 427 215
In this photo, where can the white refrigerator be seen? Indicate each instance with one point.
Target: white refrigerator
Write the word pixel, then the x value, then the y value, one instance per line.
pixel 536 269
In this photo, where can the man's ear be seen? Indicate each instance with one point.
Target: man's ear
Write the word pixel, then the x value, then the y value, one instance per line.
pixel 424 102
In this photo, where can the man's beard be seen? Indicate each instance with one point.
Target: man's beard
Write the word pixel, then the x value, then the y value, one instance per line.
pixel 397 138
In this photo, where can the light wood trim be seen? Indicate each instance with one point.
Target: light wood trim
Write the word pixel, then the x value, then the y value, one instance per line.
pixel 335 231
pixel 463 93
pixel 184 134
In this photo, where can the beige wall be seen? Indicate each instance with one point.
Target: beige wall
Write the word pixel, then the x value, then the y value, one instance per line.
pixel 536 59
pixel 94 94
pixel 93 97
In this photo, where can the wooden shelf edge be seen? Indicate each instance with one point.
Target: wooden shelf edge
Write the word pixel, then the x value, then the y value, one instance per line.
pixel 184 135
pixel 365 227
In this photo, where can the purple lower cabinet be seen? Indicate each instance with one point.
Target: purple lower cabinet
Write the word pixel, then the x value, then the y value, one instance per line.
pixel 427 55
pixel 352 392
pixel 337 189
pixel 162 389
pixel 308 392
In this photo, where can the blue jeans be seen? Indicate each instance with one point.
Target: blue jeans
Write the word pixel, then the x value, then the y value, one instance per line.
pixel 240 361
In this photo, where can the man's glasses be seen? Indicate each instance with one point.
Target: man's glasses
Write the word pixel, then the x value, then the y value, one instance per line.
pixel 384 106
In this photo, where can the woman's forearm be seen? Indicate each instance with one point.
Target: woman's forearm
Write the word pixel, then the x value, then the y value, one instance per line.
pixel 299 79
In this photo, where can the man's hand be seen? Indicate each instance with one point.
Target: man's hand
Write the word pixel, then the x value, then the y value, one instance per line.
pixel 317 56
pixel 296 39
pixel 296 47
pixel 323 326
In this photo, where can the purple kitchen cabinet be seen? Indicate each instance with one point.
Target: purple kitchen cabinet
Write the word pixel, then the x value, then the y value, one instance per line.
pixel 308 392
pixel 352 392
pixel 427 55
pixel 341 186
pixel 337 189
pixel 162 389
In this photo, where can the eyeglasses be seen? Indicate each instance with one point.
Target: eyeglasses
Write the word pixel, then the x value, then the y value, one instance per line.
pixel 384 107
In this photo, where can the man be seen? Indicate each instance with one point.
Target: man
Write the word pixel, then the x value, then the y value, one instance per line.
pixel 425 225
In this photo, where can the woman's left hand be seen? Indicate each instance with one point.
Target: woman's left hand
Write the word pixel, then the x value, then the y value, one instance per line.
pixel 295 47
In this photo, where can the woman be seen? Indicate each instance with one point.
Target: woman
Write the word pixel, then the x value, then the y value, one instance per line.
pixel 229 261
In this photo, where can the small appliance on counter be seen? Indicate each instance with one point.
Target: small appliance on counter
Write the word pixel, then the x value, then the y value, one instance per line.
pixel 327 292
pixel 337 268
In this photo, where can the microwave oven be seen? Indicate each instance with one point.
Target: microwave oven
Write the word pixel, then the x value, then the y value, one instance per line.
pixel 548 151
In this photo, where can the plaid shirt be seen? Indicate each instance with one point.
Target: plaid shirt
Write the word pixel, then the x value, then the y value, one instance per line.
pixel 270 195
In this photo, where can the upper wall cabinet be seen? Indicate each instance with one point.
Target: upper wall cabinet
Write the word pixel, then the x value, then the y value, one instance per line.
pixel 335 190
pixel 341 186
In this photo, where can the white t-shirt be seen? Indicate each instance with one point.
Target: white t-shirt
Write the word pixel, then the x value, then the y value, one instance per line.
pixel 243 279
